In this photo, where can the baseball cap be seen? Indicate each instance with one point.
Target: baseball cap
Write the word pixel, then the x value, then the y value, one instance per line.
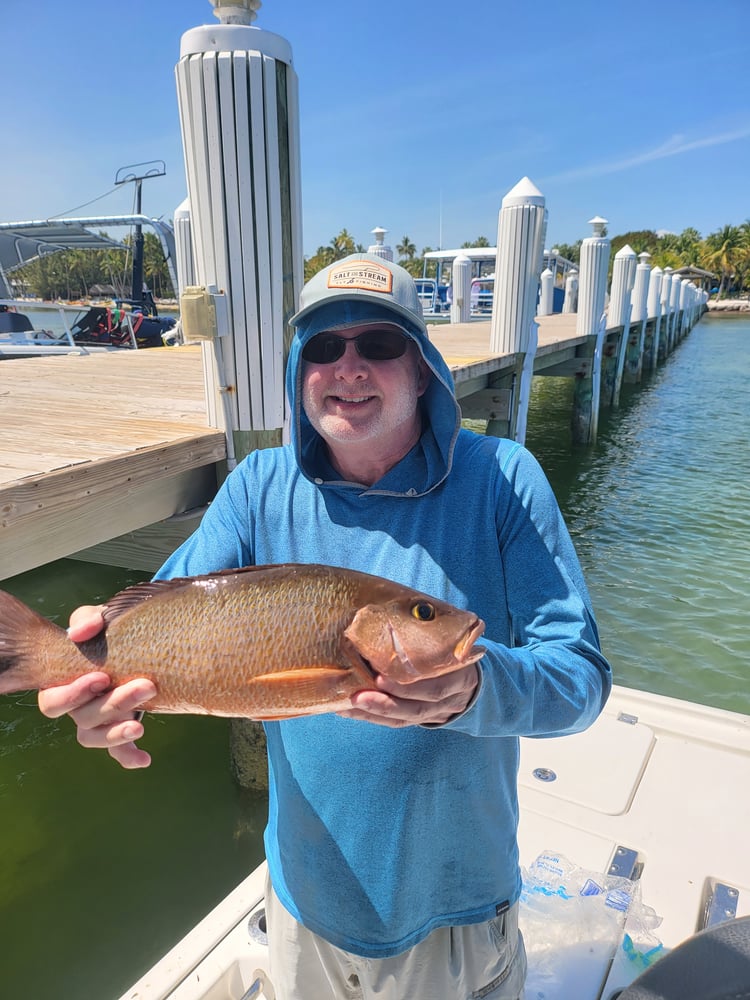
pixel 362 278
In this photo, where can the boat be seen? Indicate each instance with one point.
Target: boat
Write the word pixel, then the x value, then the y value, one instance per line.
pixel 84 329
pixel 129 323
pixel 649 806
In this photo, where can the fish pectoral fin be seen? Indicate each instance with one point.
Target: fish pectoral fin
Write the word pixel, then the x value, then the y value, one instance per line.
pixel 303 676
pixel 288 693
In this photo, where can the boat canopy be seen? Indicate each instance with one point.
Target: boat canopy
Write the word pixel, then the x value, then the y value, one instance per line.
pixel 23 242
pixel 484 259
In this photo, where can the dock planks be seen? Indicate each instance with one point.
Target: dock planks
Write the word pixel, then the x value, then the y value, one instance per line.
pixel 93 447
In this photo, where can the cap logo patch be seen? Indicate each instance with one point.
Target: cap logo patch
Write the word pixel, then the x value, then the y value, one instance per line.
pixel 361 274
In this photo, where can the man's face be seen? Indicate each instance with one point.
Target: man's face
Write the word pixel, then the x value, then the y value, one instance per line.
pixel 354 400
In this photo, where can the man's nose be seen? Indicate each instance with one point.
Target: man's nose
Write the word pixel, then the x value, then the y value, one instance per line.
pixel 351 364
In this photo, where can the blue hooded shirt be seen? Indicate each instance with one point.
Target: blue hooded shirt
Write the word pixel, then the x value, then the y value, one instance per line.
pixel 376 836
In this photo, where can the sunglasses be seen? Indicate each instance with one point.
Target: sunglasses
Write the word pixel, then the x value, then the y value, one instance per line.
pixel 372 345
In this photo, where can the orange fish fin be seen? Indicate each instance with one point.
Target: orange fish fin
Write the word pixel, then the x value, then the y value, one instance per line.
pixel 290 693
pixel 23 633
pixel 303 677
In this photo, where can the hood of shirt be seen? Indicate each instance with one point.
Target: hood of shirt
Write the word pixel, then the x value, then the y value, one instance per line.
pixel 429 462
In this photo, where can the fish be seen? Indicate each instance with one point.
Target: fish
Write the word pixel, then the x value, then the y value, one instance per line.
pixel 261 642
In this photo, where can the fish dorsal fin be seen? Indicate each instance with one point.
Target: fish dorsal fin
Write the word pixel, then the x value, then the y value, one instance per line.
pixel 131 597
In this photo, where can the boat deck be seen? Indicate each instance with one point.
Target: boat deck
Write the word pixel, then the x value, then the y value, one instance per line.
pixel 95 446
pixel 653 792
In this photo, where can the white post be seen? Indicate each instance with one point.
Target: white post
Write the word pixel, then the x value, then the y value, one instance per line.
pixel 520 243
pixel 461 279
pixel 654 311
pixel 546 294
pixel 684 302
pixel 638 319
pixel 570 302
pixel 674 307
pixel 639 297
pixel 183 240
pixel 666 292
pixel 378 248
pixel 592 286
pixel 623 279
pixel 238 103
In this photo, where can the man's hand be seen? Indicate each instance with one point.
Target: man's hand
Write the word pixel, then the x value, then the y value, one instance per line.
pixel 104 716
pixel 433 701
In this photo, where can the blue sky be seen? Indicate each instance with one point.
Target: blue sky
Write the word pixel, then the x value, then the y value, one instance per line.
pixel 416 116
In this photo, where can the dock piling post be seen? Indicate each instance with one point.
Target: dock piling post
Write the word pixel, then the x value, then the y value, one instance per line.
pixel 183 239
pixel 522 223
pixel 461 279
pixel 592 290
pixel 620 311
pixel 638 320
pixel 237 95
pixel 665 345
pixel 570 302
pixel 546 293
pixel 653 311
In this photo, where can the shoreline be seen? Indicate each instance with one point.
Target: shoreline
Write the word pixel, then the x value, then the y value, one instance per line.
pixel 731 306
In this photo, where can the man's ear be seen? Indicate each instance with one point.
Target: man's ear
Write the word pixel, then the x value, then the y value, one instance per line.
pixel 424 374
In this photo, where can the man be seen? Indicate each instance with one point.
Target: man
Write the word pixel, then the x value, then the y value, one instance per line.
pixel 391 838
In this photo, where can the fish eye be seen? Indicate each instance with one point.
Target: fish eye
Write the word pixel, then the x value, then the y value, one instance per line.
pixel 423 612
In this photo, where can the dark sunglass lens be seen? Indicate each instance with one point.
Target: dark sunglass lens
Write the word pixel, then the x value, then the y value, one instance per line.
pixel 381 345
pixel 323 349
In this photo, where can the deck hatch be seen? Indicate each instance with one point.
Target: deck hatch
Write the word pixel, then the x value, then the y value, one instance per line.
pixel 599 769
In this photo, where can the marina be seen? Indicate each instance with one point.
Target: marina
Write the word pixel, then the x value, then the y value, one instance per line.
pixel 657 511
pixel 606 369
pixel 122 441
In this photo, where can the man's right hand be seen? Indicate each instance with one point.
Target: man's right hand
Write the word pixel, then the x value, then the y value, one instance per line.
pixel 105 716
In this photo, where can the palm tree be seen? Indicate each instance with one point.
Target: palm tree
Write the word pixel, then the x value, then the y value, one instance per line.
pixel 343 245
pixel 406 248
pixel 727 251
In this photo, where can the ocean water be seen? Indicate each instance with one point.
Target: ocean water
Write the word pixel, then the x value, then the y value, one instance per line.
pixel 102 870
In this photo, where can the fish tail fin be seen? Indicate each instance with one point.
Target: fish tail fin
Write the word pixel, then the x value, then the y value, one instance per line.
pixel 20 630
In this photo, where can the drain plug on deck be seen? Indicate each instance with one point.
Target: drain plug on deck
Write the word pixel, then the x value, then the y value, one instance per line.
pixel 544 774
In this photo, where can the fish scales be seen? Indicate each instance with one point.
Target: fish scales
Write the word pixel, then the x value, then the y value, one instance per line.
pixel 261 642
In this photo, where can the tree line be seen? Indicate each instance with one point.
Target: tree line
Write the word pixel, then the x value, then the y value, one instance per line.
pixel 72 274
pixel 725 253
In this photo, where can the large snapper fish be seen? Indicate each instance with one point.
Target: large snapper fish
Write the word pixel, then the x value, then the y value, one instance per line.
pixel 265 642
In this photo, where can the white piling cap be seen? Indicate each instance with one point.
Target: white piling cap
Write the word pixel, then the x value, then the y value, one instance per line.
pixel 598 223
pixel 379 233
pixel 524 193
pixel 235 11
pixel 626 251
pixel 644 257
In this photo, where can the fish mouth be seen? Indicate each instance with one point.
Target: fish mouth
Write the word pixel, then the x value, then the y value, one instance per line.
pixel 465 652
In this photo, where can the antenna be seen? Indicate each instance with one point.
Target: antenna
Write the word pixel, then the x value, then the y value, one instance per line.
pixel 137 173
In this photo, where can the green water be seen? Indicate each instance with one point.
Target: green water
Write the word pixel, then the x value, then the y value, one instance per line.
pixel 102 870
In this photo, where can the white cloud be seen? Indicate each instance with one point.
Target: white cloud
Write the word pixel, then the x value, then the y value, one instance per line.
pixel 676 145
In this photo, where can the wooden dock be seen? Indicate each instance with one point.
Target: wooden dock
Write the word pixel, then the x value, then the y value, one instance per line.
pixel 92 447
pixel 95 448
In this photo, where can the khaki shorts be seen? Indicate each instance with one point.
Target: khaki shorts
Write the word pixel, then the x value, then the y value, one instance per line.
pixel 483 961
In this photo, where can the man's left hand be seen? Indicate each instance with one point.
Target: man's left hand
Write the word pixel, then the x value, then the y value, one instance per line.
pixel 429 702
